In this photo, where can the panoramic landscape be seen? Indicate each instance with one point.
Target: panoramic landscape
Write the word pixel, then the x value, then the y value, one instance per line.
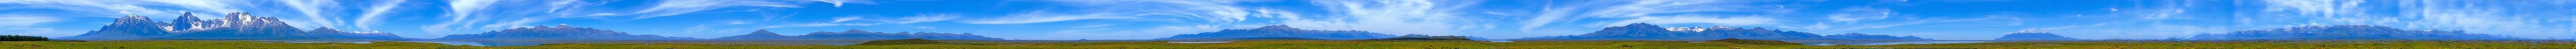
pixel 1287 24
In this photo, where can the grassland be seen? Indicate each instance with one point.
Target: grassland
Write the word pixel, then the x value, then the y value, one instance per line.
pixel 1320 44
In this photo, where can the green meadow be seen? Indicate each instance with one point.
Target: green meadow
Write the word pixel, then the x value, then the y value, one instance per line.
pixel 1321 44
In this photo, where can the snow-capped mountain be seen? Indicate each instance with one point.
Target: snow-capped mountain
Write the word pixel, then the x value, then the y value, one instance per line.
pixel 233 26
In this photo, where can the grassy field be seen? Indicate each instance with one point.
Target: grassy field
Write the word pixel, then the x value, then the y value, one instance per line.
pixel 1315 44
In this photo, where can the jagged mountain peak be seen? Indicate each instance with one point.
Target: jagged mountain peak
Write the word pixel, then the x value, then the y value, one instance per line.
pixel 563 26
pixel 1640 25
pixel 1720 27
pixel 1852 34
pixel 1277 27
pixel 763 32
pixel 854 31
pixel 135 17
pixel 235 26
pixel 324 29
pixel 370 32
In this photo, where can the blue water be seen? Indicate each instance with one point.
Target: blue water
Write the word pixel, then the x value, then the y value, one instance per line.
pixel 1894 43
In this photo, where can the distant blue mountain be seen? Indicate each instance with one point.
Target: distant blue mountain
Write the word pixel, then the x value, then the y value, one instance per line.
pixel 559 32
pixel 2033 36
pixel 1429 36
pixel 1858 36
pixel 234 26
pixel 1278 31
pixel 1643 31
pixel 856 35
pixel 2349 32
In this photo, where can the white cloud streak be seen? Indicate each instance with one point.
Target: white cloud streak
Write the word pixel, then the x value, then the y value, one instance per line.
pixel 465 16
pixel 312 11
pixel 1859 14
pixel 20 20
pixel 1658 11
pixel 923 18
pixel 23 24
pixel 374 14
pixel 837 3
pixel 2520 18
pixel 846 18
pixel 1989 20
pixel 919 18
pixel 1036 17
pixel 676 7
pixel 1747 20
pixel 1209 11
pixel 1393 17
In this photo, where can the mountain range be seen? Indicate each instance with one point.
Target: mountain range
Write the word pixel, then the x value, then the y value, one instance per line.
pixel 2033 36
pixel 1278 31
pixel 1429 37
pixel 233 26
pixel 856 35
pixel 558 32
pixel 1643 31
pixel 2349 32
pixel 1858 36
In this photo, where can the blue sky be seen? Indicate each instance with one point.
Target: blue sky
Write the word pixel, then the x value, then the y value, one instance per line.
pixel 1500 19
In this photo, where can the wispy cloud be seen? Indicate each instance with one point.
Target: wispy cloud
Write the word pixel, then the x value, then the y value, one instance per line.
pixel 923 18
pixel 837 21
pixel 821 24
pixel 1860 13
pixel 312 11
pixel 1093 26
pixel 374 15
pixel 676 7
pixel 1570 12
pixel 95 8
pixel 921 27
pixel 25 19
pixel 2485 17
pixel 1393 17
pixel 1036 17
pixel 837 3
pixel 1989 20
pixel 1745 20
pixel 846 19
pixel 466 15
pixel 1210 11
pixel 23 24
